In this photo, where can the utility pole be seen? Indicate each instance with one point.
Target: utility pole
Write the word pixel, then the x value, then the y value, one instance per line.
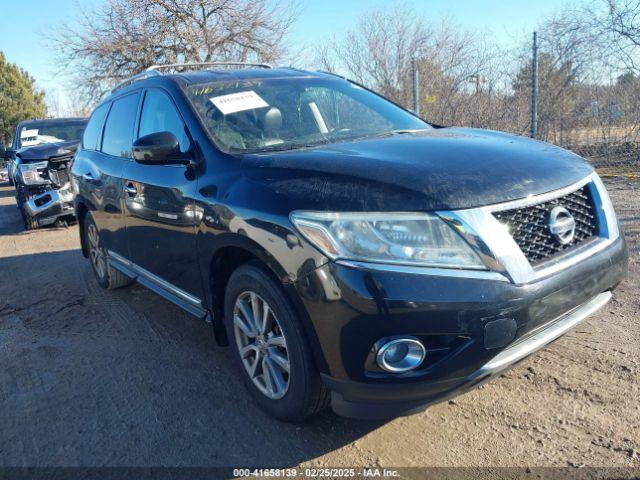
pixel 416 86
pixel 534 87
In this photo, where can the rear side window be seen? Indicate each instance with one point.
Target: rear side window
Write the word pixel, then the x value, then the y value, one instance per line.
pixel 94 128
pixel 159 115
pixel 118 130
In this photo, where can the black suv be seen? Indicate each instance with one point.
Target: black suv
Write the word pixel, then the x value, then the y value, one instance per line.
pixel 347 250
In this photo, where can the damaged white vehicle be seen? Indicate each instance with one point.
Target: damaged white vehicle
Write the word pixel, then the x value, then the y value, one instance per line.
pixel 40 170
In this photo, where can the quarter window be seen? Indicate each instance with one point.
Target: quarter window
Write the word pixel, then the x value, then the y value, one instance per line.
pixel 160 115
pixel 118 130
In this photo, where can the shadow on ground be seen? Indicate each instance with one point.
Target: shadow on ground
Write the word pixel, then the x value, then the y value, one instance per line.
pixel 9 193
pixel 123 377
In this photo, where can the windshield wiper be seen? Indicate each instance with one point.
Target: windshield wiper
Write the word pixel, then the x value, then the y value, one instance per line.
pixel 388 133
pixel 326 141
pixel 402 132
pixel 296 146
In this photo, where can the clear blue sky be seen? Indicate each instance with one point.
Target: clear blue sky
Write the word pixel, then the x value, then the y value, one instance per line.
pixel 24 23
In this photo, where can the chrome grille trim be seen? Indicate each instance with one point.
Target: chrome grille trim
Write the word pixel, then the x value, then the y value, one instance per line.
pixel 529 226
pixel 500 252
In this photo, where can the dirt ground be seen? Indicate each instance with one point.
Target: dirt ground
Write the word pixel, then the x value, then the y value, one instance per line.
pixel 124 378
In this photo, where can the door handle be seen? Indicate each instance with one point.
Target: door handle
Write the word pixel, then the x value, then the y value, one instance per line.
pixel 130 189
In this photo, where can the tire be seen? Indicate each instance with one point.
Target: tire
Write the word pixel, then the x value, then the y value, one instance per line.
pixel 28 222
pixel 107 277
pixel 304 393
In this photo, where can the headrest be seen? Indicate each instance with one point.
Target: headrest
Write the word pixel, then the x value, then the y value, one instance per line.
pixel 272 120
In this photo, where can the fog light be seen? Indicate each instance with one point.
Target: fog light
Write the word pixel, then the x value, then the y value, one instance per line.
pixel 401 354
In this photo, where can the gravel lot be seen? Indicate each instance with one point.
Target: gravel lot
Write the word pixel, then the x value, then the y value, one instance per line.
pixel 124 378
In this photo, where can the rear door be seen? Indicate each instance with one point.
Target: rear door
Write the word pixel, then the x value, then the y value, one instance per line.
pixel 99 166
pixel 159 207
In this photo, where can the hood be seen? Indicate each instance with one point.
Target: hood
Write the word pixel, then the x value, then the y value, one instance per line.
pixel 448 168
pixel 46 151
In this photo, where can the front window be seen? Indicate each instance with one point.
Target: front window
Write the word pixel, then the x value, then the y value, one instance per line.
pixel 258 115
pixel 38 133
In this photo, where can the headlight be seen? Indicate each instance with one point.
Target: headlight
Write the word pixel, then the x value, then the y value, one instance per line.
pixel 29 172
pixel 395 238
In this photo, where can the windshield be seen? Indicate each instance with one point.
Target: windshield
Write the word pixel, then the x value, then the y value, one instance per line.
pixel 287 113
pixel 49 132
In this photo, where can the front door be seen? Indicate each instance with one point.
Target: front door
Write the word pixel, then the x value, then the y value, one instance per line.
pixel 100 164
pixel 159 210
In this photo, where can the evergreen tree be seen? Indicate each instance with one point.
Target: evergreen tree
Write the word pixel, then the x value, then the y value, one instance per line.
pixel 19 99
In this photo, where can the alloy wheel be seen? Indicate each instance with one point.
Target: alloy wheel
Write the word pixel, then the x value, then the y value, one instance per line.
pixel 96 253
pixel 262 346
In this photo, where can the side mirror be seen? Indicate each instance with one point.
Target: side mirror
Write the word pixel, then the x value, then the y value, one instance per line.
pixel 6 153
pixel 158 148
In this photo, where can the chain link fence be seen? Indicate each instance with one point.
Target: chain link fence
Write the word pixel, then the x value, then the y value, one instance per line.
pixel 595 113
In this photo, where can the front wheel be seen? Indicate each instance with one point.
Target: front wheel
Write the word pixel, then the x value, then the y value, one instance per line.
pixel 29 222
pixel 271 348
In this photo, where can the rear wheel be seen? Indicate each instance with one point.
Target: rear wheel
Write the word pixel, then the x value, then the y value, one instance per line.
pixel 271 348
pixel 107 276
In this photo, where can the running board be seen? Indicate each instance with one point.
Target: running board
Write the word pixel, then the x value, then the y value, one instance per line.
pixel 179 297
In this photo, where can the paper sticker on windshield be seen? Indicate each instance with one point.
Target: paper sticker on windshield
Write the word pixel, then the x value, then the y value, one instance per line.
pixel 29 137
pixel 28 133
pixel 237 102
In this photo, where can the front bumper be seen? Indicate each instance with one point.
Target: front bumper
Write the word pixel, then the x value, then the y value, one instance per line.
pixel 450 388
pixel 48 206
pixel 488 325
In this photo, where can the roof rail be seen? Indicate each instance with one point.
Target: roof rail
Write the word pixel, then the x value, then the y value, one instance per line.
pixel 156 70
pixel 333 74
pixel 140 76
pixel 195 65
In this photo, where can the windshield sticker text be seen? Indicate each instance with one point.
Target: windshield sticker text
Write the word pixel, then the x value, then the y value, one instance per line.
pixel 238 102
pixel 29 137
pixel 28 134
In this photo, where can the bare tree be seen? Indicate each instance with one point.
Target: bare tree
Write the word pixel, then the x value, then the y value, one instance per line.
pixel 608 29
pixel 123 37
pixel 583 54
pixel 623 22
pixel 455 66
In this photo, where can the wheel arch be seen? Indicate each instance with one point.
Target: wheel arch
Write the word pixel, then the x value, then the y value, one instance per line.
pixel 235 250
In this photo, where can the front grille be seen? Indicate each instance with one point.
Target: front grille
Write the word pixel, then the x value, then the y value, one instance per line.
pixel 59 170
pixel 529 225
pixel 59 177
